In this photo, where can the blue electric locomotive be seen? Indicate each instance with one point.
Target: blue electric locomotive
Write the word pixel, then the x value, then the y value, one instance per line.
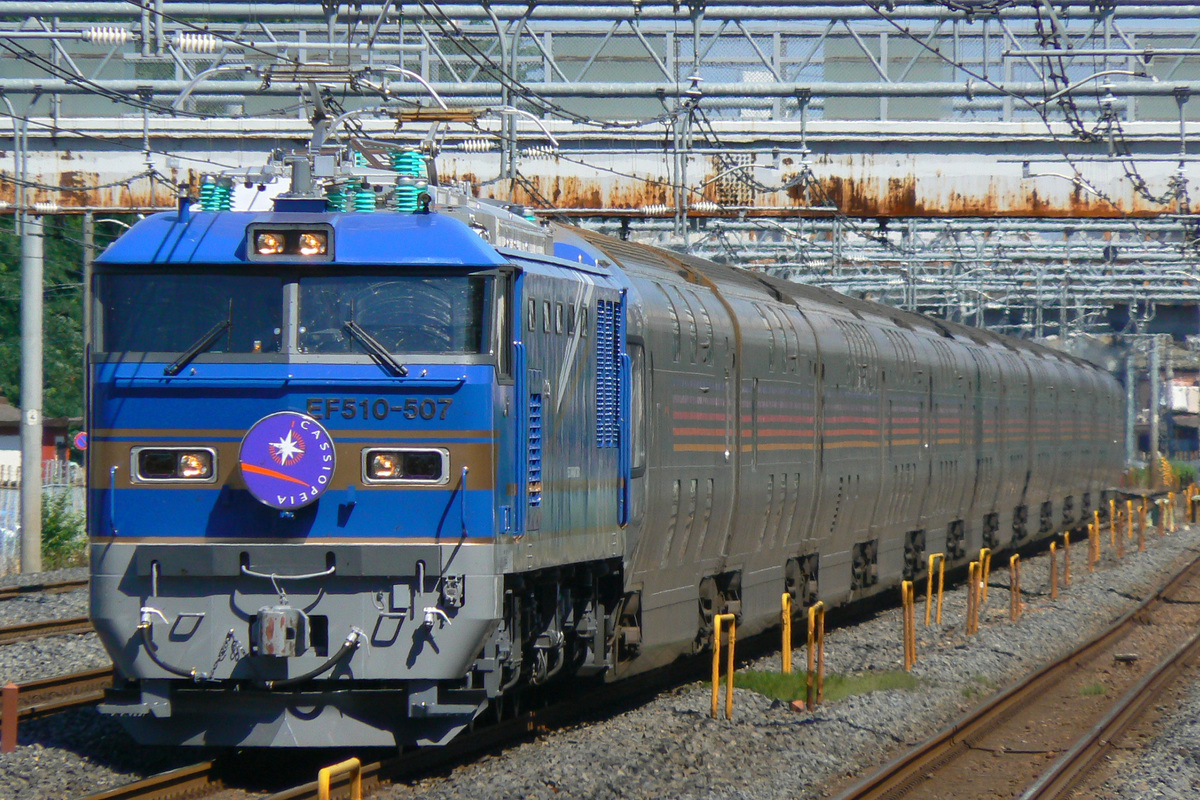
pixel 358 475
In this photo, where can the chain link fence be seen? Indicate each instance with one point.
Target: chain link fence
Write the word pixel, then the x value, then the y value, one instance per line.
pixel 62 489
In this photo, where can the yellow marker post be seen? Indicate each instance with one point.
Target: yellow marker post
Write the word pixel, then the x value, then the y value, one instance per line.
pixel 816 655
pixel 908 600
pixel 1171 515
pixel 786 645
pixel 1093 546
pixel 1014 586
pixel 973 571
pixel 985 571
pixel 1066 558
pixel 1112 523
pixel 940 558
pixel 1142 520
pixel 1129 518
pixel 1120 542
pixel 716 667
pixel 1053 572
pixel 1162 518
pixel 325 776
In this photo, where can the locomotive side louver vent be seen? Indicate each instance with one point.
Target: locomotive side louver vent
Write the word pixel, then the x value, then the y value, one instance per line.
pixel 608 374
pixel 535 449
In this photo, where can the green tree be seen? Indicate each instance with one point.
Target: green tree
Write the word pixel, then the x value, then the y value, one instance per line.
pixel 63 321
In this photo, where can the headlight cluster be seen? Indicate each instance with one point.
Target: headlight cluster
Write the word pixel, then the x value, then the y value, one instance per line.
pixel 174 464
pixel 406 466
pixel 308 242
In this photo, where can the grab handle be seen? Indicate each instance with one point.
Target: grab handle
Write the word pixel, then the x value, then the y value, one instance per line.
pixel 112 500
pixel 277 577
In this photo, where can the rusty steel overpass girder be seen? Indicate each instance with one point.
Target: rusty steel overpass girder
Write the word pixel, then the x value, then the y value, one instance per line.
pixel 1031 157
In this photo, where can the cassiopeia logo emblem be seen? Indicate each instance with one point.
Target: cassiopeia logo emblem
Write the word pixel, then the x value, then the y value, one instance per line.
pixel 287 460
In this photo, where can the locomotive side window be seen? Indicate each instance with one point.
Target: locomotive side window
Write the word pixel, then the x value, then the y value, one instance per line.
pixel 558 317
pixel 546 316
pixel 531 317
pixel 502 339
pixel 170 312
pixel 637 405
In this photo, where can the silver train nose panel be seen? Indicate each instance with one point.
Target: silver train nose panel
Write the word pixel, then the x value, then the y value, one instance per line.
pixel 287 630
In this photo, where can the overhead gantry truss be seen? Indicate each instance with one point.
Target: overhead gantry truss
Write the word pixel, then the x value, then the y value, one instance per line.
pixel 970 158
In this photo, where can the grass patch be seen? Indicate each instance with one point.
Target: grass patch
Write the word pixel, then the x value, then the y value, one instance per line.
pixel 980 687
pixel 63 541
pixel 787 688
pixel 1093 690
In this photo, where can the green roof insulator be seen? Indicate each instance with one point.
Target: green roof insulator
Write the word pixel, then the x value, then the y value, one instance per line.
pixel 207 187
pixel 335 199
pixel 360 160
pixel 532 217
pixel 408 162
pixel 406 199
pixel 223 196
pixel 406 194
pixel 364 200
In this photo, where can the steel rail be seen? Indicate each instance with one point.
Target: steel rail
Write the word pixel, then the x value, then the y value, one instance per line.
pixel 48 696
pixel 197 780
pixel 904 773
pixel 10 592
pixel 48 627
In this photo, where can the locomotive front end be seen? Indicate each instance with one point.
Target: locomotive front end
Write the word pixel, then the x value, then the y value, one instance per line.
pixel 294 477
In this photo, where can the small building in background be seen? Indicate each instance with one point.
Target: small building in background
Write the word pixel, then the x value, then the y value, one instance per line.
pixel 56 440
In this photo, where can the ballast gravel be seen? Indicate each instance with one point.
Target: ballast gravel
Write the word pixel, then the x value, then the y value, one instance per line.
pixel 21 662
pixel 670 747
pixel 1166 766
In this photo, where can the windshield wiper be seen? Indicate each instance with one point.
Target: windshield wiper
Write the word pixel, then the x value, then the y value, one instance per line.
pixel 373 347
pixel 203 343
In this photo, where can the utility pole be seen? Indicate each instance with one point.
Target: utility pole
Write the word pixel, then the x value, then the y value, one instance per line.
pixel 31 392
pixel 89 255
pixel 1155 380
pixel 1130 411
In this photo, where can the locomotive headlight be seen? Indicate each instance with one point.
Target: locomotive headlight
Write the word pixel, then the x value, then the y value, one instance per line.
pixel 406 466
pixel 152 464
pixel 313 244
pixel 268 244
pixel 195 465
pixel 383 466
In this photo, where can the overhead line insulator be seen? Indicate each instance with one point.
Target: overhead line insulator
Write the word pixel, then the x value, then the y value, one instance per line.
pixel 195 42
pixel 106 35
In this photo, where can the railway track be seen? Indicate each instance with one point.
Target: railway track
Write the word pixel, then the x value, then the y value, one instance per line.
pixel 61 693
pixel 1040 738
pixel 49 587
pixel 47 627
pixel 195 781
pixel 207 779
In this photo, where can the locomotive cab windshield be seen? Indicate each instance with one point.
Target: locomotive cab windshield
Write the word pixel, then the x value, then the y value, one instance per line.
pixel 221 314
